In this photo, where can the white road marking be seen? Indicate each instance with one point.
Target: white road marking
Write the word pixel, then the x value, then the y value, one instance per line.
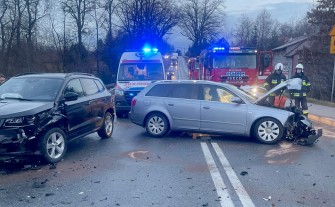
pixel 236 183
pixel 221 188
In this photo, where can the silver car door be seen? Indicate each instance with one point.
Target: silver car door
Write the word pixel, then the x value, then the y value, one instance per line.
pixel 184 106
pixel 219 114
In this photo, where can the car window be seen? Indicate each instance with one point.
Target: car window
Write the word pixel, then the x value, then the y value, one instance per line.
pixel 187 91
pixel 160 90
pixel 74 86
pixel 100 86
pixel 216 93
pixel 89 86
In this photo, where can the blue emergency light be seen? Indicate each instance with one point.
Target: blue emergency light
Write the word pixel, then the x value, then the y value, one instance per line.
pixel 150 50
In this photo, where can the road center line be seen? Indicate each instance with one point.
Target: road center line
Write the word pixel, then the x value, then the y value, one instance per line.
pixel 236 183
pixel 221 188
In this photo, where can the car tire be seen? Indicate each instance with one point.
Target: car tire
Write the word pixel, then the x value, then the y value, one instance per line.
pixel 157 125
pixel 268 130
pixel 107 128
pixel 53 145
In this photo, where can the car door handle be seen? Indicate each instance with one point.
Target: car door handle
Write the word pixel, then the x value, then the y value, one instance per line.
pixel 170 104
pixel 206 107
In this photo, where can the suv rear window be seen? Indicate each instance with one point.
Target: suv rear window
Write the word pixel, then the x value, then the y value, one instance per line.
pixel 160 90
pixel 89 86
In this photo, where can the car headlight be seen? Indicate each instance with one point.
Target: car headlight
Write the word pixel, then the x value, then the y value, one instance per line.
pixel 119 92
pixel 20 121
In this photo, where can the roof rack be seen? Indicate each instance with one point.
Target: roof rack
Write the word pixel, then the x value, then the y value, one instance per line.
pixel 27 73
pixel 79 73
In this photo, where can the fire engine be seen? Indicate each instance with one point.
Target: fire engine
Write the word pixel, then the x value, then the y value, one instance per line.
pixel 239 66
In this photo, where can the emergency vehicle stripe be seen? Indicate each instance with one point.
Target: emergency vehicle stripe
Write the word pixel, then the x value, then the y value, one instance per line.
pixel 305 112
pixel 274 81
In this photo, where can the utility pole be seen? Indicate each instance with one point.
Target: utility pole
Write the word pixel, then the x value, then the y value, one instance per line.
pixel 332 51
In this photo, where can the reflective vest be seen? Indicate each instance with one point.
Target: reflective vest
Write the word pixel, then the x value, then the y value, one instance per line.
pixel 273 80
pixel 305 88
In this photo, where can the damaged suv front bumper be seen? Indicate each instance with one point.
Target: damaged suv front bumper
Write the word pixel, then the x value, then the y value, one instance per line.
pixel 15 142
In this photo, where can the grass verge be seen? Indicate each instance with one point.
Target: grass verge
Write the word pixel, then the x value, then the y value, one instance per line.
pixel 323 103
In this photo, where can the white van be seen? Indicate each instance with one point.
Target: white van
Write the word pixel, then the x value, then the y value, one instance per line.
pixel 136 71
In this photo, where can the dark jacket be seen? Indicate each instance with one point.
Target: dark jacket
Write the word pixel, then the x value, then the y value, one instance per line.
pixel 306 86
pixel 273 80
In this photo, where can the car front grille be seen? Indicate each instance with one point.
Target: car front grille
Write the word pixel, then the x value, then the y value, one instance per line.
pixel 129 95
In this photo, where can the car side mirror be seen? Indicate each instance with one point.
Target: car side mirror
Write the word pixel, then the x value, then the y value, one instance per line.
pixel 236 100
pixel 71 96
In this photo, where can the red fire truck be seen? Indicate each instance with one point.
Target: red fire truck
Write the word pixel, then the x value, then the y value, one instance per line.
pixel 240 66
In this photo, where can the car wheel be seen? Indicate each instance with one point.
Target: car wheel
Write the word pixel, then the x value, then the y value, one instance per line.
pixel 157 125
pixel 268 130
pixel 106 130
pixel 53 145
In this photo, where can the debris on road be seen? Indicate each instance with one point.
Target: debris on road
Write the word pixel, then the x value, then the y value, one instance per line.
pixel 243 173
pixel 267 199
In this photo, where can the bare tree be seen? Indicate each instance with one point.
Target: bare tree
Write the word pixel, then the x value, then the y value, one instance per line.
pixel 147 19
pixel 243 32
pixel 201 20
pixel 3 23
pixel 264 24
pixel 78 9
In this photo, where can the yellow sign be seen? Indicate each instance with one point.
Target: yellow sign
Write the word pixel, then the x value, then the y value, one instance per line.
pixel 332 45
pixel 332 41
pixel 332 32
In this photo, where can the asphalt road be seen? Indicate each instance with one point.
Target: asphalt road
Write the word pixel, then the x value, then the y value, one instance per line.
pixel 134 169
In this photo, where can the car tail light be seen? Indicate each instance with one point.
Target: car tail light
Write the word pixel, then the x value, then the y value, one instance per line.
pixel 133 102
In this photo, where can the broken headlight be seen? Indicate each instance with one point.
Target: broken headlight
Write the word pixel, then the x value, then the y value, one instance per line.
pixel 25 120
pixel 20 121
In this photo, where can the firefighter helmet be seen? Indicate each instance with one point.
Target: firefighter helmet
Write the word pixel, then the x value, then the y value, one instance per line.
pixel 300 66
pixel 279 66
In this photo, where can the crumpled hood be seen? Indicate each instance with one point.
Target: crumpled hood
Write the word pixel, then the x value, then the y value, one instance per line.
pixel 294 83
pixel 16 108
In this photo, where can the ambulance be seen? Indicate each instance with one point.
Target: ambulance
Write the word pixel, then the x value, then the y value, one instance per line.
pixel 137 69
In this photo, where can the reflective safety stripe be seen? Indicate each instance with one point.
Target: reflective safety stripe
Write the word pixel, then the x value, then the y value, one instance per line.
pixel 265 84
pixel 303 82
pixel 272 94
pixel 274 81
pixel 304 94
pixel 305 111
pixel 308 84
pixel 296 94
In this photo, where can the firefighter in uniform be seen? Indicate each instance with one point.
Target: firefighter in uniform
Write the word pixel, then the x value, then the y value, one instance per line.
pixel 273 80
pixel 300 96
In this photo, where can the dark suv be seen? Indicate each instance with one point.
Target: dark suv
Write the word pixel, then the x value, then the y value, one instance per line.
pixel 40 113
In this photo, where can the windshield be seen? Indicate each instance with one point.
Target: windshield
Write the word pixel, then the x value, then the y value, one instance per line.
pixel 235 61
pixel 31 88
pixel 134 72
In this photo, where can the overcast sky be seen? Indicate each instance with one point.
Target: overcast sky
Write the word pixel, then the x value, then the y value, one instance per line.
pixel 282 10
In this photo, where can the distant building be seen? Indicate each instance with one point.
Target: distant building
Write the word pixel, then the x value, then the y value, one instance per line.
pixel 288 54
